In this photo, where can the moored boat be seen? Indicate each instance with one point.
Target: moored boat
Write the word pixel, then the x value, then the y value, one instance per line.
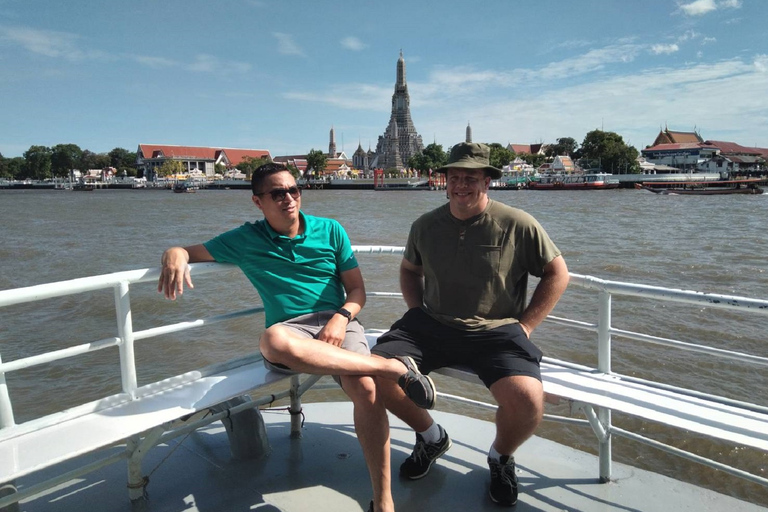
pixel 588 181
pixel 703 188
pixel 185 186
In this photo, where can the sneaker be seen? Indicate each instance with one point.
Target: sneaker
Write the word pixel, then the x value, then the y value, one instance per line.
pixel 416 386
pixel 424 455
pixel 503 481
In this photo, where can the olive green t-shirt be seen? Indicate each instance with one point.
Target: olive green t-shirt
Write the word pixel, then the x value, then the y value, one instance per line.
pixel 476 270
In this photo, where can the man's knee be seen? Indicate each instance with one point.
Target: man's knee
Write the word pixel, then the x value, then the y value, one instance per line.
pixel 274 342
pixel 521 393
pixel 361 389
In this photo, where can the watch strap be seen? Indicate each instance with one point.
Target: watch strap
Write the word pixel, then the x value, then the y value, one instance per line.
pixel 345 313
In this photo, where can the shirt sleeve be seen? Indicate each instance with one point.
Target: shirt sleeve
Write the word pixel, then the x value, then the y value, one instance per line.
pixel 345 258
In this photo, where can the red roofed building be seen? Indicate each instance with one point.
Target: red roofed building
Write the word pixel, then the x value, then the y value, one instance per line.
pixel 666 136
pixel 193 158
pixel 726 158
pixel 531 149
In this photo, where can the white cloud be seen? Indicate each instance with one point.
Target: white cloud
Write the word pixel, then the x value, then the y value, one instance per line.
pixel 591 61
pixel 702 7
pixel 353 43
pixel 761 63
pixel 665 49
pixel 48 43
pixel 286 45
pixel 698 7
pixel 708 40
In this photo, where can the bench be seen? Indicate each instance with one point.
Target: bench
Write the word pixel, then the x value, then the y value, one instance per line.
pixel 159 411
pixel 597 393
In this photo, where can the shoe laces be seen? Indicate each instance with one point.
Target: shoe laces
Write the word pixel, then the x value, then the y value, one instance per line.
pixel 504 472
pixel 420 451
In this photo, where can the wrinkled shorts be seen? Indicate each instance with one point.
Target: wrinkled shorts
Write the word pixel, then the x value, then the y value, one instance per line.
pixel 309 326
pixel 492 354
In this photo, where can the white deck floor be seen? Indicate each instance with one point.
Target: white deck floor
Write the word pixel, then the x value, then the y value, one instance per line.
pixel 325 471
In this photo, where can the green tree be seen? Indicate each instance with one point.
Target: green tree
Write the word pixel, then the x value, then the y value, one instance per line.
pixel 91 160
pixel 16 167
pixel 250 164
pixel 609 149
pixel 534 160
pixel 37 162
pixel 170 167
pixel 4 170
pixel 500 156
pixel 565 146
pixel 64 158
pixel 316 161
pixel 123 160
pixel 431 158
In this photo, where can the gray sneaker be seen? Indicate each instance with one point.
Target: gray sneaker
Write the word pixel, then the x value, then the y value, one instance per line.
pixel 503 481
pixel 424 455
pixel 419 388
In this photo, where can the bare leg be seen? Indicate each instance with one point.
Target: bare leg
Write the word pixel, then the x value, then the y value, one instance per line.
pixel 308 355
pixel 399 405
pixel 372 427
pixel 521 408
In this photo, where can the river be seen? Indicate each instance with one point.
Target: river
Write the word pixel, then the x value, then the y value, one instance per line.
pixel 706 243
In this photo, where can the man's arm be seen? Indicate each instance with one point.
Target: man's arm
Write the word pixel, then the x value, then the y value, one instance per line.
pixel 412 284
pixel 335 330
pixel 175 271
pixel 553 283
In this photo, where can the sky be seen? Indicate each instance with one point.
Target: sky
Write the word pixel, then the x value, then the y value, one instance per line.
pixel 278 74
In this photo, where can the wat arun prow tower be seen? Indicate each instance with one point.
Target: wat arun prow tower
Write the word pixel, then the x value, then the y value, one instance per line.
pixel 400 140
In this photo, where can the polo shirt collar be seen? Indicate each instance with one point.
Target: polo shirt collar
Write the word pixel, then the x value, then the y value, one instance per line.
pixel 274 235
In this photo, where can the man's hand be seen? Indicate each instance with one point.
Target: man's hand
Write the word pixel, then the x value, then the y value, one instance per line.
pixel 334 331
pixel 175 273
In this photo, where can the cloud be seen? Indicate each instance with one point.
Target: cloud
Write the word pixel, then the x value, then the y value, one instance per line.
pixel 48 43
pixel 699 7
pixel 591 61
pixel 286 45
pixel 355 96
pixel 702 7
pixel 666 49
pixel 353 43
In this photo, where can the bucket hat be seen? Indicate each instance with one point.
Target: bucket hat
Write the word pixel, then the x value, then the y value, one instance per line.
pixel 471 155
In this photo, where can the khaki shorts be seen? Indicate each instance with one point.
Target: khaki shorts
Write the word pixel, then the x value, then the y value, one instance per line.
pixel 310 325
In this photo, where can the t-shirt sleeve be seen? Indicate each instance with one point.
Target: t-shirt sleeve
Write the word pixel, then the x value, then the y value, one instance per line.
pixel 227 247
pixel 412 253
pixel 540 248
pixel 345 258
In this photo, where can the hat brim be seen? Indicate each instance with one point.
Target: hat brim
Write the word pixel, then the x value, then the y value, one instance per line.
pixel 492 171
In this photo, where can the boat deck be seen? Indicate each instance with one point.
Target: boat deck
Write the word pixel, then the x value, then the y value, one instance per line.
pixel 325 471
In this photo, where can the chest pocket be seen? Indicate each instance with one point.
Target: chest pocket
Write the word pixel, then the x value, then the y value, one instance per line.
pixel 484 260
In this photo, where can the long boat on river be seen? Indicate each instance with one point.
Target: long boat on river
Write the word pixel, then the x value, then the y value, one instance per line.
pixel 703 188
pixel 587 181
pixel 234 436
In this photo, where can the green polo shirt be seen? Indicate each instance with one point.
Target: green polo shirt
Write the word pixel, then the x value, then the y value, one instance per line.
pixel 294 276
pixel 476 270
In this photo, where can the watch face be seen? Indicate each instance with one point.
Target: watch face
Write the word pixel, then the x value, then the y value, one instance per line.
pixel 345 313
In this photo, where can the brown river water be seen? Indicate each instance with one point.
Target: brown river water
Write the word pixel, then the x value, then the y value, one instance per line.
pixel 715 244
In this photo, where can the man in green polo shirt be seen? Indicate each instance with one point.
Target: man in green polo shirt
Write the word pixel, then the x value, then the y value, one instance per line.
pixel 312 289
pixel 464 276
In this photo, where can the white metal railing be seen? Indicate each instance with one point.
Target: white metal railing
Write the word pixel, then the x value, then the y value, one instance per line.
pixel 121 283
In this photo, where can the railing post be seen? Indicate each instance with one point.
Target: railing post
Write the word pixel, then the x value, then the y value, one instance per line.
pixel 604 365
pixel 125 332
pixel 6 409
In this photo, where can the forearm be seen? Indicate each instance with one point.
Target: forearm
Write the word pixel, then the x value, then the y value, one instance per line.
pixel 549 290
pixel 412 288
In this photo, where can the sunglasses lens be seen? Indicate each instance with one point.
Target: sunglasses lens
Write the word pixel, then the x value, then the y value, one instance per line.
pixel 279 194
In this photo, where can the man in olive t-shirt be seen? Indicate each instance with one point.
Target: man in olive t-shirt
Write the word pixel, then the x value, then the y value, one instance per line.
pixel 464 277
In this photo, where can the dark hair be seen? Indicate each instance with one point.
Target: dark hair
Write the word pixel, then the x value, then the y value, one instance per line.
pixel 261 173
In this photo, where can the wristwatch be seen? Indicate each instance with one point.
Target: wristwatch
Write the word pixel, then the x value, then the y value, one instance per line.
pixel 346 313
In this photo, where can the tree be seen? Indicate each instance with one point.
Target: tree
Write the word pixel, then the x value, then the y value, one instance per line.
pixel 316 161
pixel 123 160
pixel 609 150
pixel 4 170
pixel 566 146
pixel 431 158
pixel 37 161
pixel 91 160
pixel 534 160
pixel 64 158
pixel 500 156
pixel 16 167
pixel 170 167
pixel 250 164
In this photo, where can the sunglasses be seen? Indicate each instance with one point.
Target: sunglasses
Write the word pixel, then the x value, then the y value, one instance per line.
pixel 278 194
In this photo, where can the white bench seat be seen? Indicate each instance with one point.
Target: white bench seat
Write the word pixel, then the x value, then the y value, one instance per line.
pixel 37 444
